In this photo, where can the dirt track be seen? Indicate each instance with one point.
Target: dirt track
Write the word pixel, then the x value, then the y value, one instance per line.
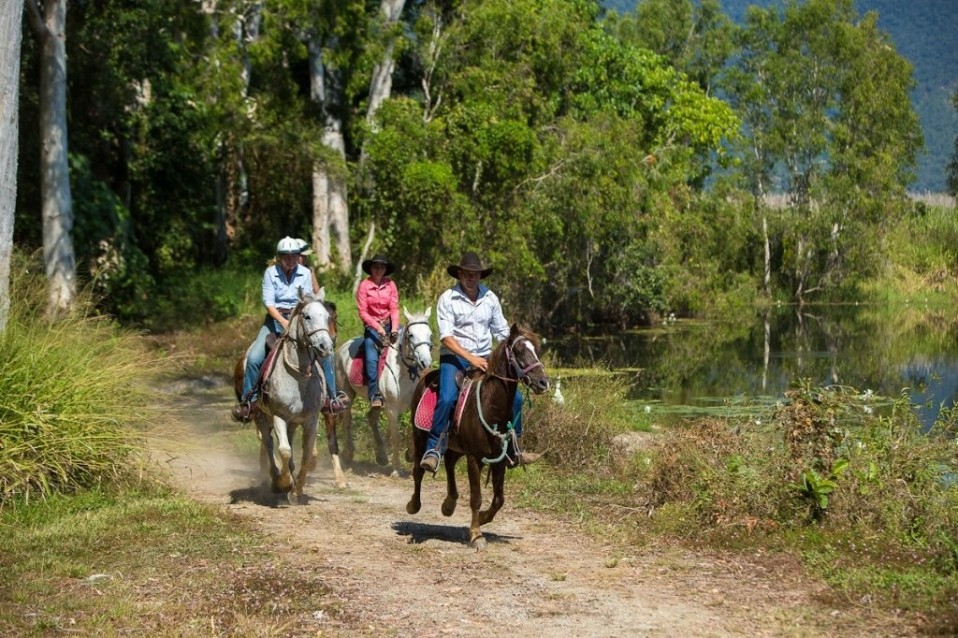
pixel 399 575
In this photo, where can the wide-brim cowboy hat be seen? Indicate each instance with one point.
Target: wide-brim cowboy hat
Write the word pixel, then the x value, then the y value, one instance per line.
pixel 378 259
pixel 469 261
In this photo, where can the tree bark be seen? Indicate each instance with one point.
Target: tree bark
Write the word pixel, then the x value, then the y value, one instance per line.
pixel 380 85
pixel 330 201
pixel 57 201
pixel 11 16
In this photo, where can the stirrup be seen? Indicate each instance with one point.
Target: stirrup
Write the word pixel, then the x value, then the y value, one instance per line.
pixel 336 406
pixel 431 456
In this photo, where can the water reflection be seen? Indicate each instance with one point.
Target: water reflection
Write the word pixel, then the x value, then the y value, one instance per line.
pixel 755 356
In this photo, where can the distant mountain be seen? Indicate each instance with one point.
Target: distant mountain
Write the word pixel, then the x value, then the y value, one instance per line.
pixel 925 32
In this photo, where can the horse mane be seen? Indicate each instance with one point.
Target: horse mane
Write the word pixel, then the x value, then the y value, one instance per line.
pixel 497 360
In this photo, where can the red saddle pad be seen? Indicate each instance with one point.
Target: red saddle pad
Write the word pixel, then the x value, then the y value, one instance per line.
pixel 427 405
pixel 357 368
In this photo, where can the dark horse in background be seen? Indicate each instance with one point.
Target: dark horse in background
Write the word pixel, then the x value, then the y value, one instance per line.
pixel 483 433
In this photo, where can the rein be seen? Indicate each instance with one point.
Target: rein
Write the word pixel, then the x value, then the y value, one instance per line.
pixel 406 344
pixel 522 374
pixel 304 341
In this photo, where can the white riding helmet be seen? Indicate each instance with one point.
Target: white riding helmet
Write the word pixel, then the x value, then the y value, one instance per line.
pixel 304 248
pixel 288 246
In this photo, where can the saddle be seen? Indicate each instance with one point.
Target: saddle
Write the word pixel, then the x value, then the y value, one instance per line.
pixel 422 418
pixel 357 367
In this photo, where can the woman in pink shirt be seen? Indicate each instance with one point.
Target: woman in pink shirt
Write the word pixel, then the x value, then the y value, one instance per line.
pixel 378 301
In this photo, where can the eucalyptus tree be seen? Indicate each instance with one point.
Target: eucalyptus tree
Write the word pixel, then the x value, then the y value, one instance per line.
pixel 10 37
pixel 827 122
pixel 695 37
pixel 49 24
pixel 544 141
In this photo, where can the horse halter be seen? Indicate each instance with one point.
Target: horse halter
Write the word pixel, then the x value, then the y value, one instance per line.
pixel 522 374
pixel 410 346
pixel 304 339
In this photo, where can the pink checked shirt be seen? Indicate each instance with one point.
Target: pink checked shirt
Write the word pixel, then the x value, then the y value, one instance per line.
pixel 378 303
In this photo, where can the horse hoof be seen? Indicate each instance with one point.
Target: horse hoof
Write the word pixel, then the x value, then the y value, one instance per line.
pixel 412 507
pixel 448 508
pixel 478 543
pixel 382 461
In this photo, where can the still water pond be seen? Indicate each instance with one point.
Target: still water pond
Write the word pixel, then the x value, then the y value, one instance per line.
pixel 690 368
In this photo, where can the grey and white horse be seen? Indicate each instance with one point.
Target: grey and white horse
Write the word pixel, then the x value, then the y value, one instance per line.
pixel 293 394
pixel 404 363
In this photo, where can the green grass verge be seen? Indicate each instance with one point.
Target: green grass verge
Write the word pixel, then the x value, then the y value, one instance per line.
pixel 145 561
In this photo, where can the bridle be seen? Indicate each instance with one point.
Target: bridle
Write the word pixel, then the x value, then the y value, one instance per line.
pixel 408 347
pixel 302 338
pixel 522 374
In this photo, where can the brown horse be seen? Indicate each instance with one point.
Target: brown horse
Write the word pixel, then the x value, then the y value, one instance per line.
pixel 484 432
pixel 293 394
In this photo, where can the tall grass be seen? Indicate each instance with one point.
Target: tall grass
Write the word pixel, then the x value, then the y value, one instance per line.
pixel 71 395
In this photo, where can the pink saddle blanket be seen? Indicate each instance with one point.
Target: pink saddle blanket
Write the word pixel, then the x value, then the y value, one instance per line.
pixel 357 368
pixel 422 419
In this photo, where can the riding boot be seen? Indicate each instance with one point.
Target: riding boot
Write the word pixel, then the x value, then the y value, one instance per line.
pixel 245 411
pixel 516 458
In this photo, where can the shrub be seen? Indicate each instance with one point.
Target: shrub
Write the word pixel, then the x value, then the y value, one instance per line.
pixel 70 392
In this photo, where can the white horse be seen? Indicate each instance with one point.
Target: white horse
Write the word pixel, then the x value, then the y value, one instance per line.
pixel 404 363
pixel 293 394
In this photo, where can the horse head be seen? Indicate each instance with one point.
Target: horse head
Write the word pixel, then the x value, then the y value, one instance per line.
pixel 416 346
pixel 312 323
pixel 522 355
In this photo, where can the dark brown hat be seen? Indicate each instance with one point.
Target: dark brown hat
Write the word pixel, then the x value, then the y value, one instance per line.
pixel 469 261
pixel 378 259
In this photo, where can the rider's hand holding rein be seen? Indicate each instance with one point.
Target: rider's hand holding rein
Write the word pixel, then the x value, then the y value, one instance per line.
pixel 277 315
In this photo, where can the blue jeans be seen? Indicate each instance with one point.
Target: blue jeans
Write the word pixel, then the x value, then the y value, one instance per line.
pixel 372 342
pixel 257 354
pixel 449 365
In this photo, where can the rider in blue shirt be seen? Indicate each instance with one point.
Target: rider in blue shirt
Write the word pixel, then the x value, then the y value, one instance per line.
pixel 282 283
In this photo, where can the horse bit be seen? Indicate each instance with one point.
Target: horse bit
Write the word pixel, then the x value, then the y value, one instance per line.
pixel 406 343
pixel 522 374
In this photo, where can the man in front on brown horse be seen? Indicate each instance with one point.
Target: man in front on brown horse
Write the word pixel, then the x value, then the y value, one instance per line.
pixel 469 316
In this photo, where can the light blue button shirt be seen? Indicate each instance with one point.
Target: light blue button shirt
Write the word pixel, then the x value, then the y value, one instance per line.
pixel 280 292
pixel 472 324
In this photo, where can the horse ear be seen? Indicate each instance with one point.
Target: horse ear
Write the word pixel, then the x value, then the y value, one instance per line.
pixel 514 330
pixel 406 313
pixel 321 295
pixel 428 311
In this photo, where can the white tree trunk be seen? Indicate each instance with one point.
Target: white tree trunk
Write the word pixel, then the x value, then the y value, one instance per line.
pixel 11 15
pixel 330 200
pixel 381 83
pixel 320 238
pixel 57 208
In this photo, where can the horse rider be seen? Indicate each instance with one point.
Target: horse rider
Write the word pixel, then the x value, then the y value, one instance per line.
pixel 377 299
pixel 469 316
pixel 304 252
pixel 282 283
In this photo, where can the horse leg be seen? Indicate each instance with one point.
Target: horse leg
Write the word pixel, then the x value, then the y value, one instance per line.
pixel 498 493
pixel 452 491
pixel 333 445
pixel 284 481
pixel 347 422
pixel 476 539
pixel 418 449
pixel 395 441
pixel 309 457
pixel 372 417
